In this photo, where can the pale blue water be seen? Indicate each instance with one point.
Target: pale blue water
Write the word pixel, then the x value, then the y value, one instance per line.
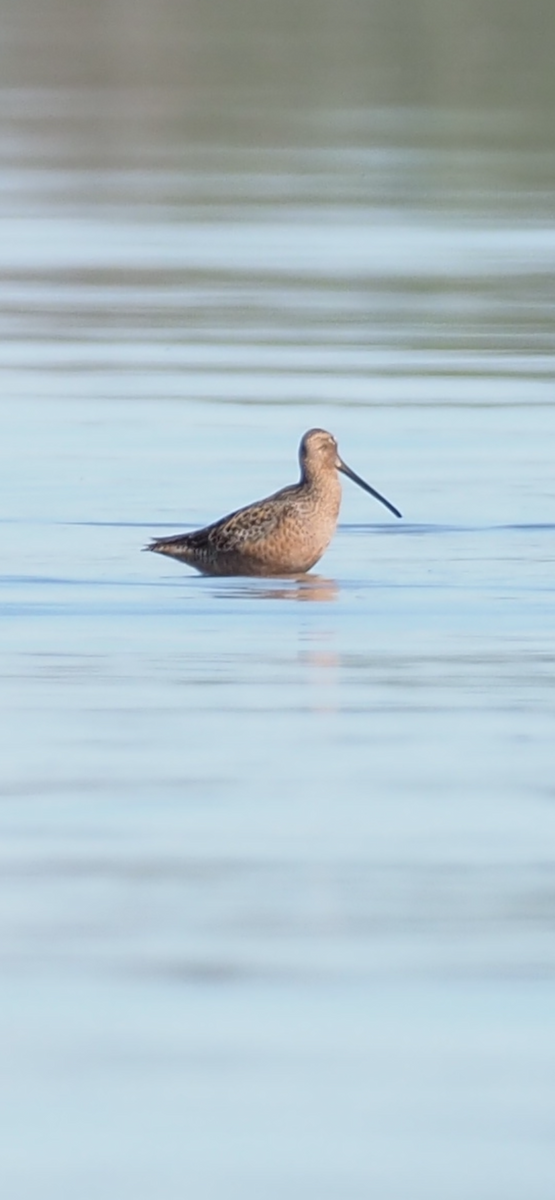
pixel 277 867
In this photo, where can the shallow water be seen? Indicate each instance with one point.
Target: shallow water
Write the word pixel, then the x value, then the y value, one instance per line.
pixel 277 886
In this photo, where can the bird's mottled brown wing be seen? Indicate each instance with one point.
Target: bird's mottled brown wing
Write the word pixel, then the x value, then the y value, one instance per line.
pixel 240 529
pixel 247 526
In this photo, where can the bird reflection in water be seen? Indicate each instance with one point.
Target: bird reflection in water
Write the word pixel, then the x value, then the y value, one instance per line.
pixel 314 588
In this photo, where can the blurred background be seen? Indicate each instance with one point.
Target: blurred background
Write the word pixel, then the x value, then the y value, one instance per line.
pixel 277 856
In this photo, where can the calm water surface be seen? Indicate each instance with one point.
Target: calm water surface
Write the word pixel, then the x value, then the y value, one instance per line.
pixel 277 866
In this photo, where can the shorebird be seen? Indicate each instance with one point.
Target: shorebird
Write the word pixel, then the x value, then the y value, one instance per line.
pixel 286 533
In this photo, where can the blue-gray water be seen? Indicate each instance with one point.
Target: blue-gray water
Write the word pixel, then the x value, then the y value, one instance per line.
pixel 277 856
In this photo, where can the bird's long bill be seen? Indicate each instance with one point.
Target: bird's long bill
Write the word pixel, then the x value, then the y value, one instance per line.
pixel 341 466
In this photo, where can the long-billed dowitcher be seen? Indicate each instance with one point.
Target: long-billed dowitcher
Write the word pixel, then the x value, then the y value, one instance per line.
pixel 286 533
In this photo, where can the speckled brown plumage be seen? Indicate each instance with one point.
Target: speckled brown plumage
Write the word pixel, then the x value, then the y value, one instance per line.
pixel 286 533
